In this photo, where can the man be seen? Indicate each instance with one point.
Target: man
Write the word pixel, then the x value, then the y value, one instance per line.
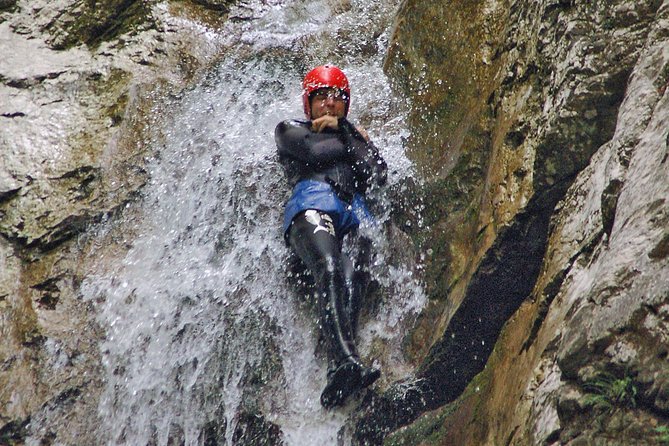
pixel 330 164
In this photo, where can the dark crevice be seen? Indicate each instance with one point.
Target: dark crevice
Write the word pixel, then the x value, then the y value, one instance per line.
pixel 14 432
pixel 651 309
pixel 504 279
pixel 65 398
pixel 661 250
pixel 50 293
pixel 509 440
pixel 213 5
pixel 8 194
pixel 79 172
pixel 26 83
pixel 63 231
pixel 609 204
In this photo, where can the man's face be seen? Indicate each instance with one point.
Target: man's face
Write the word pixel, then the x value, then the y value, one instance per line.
pixel 328 101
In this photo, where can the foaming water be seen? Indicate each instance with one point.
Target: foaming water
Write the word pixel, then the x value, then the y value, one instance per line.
pixel 204 329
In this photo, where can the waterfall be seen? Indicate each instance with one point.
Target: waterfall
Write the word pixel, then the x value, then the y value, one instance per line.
pixel 206 332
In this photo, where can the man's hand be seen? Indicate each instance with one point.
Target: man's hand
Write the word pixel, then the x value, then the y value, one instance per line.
pixel 363 133
pixel 319 124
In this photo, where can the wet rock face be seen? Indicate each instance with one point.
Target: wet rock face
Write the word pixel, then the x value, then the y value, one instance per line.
pixel 567 124
pixel 217 5
pixel 76 82
pixel 540 128
pixel 91 23
pixel 52 101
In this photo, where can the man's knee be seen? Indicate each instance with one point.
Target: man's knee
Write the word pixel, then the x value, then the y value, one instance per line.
pixel 329 264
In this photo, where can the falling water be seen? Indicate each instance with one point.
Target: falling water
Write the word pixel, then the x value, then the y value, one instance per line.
pixel 206 332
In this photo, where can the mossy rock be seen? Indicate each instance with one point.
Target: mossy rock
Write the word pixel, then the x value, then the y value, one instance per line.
pixel 97 21
pixel 216 5
pixel 7 4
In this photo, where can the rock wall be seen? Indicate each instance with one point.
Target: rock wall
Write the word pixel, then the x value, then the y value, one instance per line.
pixel 540 129
pixel 548 124
pixel 77 82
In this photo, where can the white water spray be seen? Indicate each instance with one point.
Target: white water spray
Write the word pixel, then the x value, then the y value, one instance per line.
pixel 203 327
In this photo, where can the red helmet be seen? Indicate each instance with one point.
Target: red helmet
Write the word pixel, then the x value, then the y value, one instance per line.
pixel 325 76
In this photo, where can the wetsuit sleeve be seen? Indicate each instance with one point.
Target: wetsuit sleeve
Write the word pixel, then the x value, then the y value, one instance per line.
pixel 370 168
pixel 294 139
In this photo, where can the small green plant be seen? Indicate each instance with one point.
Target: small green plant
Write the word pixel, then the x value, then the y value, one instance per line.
pixel 662 434
pixel 606 392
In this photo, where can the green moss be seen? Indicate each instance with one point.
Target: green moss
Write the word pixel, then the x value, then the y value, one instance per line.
pixel 662 434
pixel 433 427
pixel 452 206
pixel 115 87
pixel 14 433
pixel 117 111
pixel 607 393
pixel 7 5
pixel 105 20
pixel 457 192
pixel 427 430
pixel 447 212
pixel 662 80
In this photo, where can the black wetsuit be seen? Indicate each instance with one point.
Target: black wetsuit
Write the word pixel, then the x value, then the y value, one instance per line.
pixel 330 173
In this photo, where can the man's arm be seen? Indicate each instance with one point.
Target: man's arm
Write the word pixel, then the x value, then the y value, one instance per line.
pixel 294 139
pixel 368 164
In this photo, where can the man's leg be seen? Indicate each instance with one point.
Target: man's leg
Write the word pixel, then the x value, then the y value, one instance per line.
pixel 313 238
pixel 357 279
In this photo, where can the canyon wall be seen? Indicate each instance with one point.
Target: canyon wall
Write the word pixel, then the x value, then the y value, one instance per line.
pixel 539 131
pixel 547 204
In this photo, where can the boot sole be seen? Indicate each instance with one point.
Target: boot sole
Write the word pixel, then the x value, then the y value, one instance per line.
pixel 367 379
pixel 344 382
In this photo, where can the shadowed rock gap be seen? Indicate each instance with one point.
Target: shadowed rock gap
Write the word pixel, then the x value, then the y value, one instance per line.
pixel 505 278
pixel 507 274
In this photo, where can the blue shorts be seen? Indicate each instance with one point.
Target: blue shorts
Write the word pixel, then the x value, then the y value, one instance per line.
pixel 311 194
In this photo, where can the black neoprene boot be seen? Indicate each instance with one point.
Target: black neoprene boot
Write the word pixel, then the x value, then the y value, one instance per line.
pixel 356 285
pixel 349 377
pixel 342 382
